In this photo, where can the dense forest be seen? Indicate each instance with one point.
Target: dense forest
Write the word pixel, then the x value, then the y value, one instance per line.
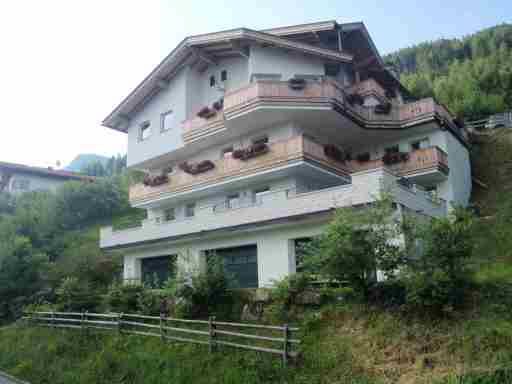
pixel 472 76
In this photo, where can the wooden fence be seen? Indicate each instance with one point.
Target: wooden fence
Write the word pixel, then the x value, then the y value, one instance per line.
pixel 206 332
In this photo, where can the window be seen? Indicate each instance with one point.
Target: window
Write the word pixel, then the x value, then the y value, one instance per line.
pixel 155 271
pixel 420 144
pixel 241 263
pixel 258 193
pixel 332 70
pixel 212 81
pixel 226 151
pixel 224 75
pixel 169 214
pixel 190 210
pixel 166 121
pixel 145 130
pixel 232 201
pixel 21 184
pixel 302 247
pixel 260 140
pixel 392 149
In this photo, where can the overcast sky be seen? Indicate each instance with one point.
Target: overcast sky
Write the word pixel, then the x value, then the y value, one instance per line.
pixel 64 65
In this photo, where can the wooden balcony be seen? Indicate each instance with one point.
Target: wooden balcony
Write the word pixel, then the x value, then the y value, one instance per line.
pixel 325 93
pixel 369 87
pixel 280 153
pixel 428 164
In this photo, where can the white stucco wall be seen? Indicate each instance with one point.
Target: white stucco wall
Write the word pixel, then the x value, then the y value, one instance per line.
pixel 458 186
pixel 173 98
pixel 288 64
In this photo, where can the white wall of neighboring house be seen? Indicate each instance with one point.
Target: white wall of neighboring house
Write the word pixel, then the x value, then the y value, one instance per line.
pixel 35 183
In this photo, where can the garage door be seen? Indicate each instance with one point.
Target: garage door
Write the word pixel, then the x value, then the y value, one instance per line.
pixel 242 264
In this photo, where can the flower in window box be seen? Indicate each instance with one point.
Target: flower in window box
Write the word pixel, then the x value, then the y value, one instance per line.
pixel 206 112
pixel 335 153
pixel 219 104
pixel 296 83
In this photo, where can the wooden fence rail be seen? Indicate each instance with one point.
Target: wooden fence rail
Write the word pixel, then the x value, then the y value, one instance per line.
pixel 206 332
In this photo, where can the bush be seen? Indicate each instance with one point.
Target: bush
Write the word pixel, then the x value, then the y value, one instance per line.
pixel 439 278
pixel 76 295
pixel 205 294
pixel 122 298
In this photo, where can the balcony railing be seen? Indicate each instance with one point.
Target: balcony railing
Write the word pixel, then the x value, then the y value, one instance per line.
pixel 421 160
pixel 279 204
pixel 325 93
pixel 280 153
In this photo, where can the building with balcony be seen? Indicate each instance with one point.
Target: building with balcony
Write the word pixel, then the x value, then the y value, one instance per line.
pixel 251 139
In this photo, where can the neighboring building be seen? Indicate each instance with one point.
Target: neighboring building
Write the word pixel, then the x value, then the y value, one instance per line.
pixel 250 140
pixel 19 178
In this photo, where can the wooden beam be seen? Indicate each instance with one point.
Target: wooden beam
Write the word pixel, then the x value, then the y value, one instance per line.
pixel 242 51
pixel 201 54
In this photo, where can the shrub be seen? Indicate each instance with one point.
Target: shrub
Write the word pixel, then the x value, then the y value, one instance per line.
pixel 439 278
pixel 205 294
pixel 123 298
pixel 76 295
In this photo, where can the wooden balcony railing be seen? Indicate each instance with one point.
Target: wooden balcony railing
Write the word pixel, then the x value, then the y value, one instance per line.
pixel 433 158
pixel 325 92
pixel 280 153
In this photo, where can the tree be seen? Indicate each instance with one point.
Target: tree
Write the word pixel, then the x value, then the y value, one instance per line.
pixel 356 244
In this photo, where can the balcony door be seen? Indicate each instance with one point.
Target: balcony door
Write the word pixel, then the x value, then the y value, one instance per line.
pixel 241 263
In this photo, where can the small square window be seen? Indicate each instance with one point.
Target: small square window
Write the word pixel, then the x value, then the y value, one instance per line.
pixel 145 130
pixel 420 144
pixel 169 214
pixel 212 81
pixel 190 210
pixel 166 121
pixel 232 201
pixel 224 75
pixel 260 140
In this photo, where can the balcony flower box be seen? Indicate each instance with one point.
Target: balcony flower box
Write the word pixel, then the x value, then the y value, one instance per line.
pixel 206 113
pixel 335 153
pixel 363 157
pixel 218 105
pixel 194 169
pixel 154 181
pixel 383 109
pixel 355 98
pixel 251 151
pixel 391 158
pixel 297 83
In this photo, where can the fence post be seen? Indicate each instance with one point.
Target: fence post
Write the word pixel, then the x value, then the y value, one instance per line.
pixel 162 334
pixel 119 323
pixel 286 334
pixel 52 321
pixel 85 323
pixel 211 334
pixel 82 318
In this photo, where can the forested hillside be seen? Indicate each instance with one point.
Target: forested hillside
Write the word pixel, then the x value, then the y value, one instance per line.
pixel 471 75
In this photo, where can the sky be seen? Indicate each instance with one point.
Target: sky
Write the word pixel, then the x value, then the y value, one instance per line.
pixel 65 64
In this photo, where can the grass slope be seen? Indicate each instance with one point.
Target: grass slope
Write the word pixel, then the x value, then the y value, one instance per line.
pixel 341 345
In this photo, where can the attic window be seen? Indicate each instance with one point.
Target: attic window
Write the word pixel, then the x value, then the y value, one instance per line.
pixel 212 81
pixel 224 75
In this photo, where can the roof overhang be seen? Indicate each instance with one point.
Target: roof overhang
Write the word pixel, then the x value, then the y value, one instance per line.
pixel 187 51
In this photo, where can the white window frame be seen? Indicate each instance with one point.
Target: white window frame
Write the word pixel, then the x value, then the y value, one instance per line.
pixel 163 116
pixel 191 206
pixel 166 214
pixel 142 127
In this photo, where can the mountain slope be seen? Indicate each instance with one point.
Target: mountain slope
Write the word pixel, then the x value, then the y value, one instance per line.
pixel 471 75
pixel 83 159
